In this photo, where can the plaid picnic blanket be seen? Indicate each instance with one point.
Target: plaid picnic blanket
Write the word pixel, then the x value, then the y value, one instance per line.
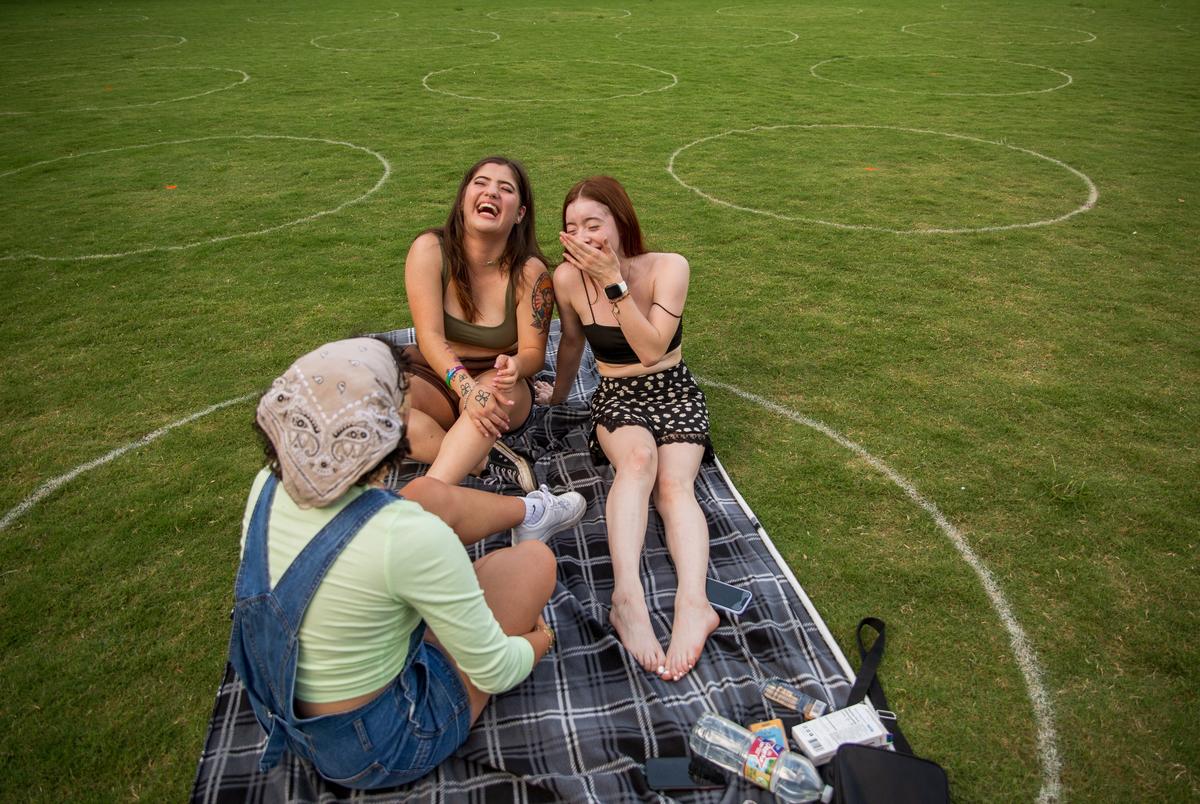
pixel 580 727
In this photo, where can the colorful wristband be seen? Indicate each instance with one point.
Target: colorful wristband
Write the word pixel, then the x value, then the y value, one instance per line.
pixel 450 374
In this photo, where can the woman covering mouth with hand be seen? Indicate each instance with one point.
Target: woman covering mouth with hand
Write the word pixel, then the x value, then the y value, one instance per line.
pixel 648 415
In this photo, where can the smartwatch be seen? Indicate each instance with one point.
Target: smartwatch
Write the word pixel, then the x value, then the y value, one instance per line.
pixel 616 291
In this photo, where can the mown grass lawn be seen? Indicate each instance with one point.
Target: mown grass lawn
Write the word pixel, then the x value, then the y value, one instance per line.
pixel 262 168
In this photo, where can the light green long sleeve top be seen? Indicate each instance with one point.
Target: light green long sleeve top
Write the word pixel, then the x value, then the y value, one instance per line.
pixel 405 565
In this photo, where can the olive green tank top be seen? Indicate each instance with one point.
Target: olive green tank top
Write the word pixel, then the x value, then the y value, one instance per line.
pixel 502 337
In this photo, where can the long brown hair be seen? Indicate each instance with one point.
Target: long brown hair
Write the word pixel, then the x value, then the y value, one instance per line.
pixel 608 191
pixel 522 240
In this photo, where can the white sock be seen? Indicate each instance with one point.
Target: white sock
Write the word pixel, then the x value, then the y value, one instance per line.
pixel 534 508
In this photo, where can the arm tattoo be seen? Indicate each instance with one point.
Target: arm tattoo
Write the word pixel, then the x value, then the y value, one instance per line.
pixel 482 397
pixel 465 389
pixel 543 302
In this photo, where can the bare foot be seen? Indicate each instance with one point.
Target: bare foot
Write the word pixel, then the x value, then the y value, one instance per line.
pixel 694 621
pixel 631 619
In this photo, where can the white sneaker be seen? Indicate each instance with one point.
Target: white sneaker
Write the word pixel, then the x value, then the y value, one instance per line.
pixel 561 511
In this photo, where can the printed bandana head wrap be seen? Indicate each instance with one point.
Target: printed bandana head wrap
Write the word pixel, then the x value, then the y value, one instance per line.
pixel 334 414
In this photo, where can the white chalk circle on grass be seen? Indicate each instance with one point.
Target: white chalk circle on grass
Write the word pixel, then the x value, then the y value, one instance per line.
pixel 789 11
pixel 664 80
pixel 630 36
pixel 175 41
pixel 387 172
pixel 1093 194
pixel 536 15
pixel 815 71
pixel 324 42
pixel 42 79
pixel 1009 29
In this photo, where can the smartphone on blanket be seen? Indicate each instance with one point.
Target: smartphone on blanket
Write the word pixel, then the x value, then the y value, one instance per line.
pixel 680 773
pixel 729 598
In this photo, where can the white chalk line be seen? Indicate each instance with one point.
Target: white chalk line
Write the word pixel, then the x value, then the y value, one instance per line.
pixel 387 172
pixel 1067 76
pixel 675 28
pixel 179 41
pixel 559 14
pixel 387 15
pixel 1091 37
pixel 50 486
pixel 1093 193
pixel 674 81
pixel 821 11
pixel 245 77
pixel 314 41
pixel 1023 652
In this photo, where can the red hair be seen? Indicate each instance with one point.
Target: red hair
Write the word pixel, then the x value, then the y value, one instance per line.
pixel 608 191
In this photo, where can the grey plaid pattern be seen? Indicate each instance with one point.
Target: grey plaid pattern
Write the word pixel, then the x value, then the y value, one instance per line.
pixel 580 727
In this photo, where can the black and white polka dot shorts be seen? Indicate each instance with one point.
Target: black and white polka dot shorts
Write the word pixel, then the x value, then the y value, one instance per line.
pixel 668 403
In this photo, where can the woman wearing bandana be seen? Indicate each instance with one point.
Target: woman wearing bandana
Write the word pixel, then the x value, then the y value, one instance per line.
pixel 367 640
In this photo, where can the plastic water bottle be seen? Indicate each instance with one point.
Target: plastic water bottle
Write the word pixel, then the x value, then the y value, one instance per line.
pixel 790 776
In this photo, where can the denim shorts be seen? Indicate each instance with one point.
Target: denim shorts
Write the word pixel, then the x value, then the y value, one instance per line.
pixel 399 736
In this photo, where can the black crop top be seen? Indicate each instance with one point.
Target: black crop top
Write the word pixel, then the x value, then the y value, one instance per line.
pixel 609 344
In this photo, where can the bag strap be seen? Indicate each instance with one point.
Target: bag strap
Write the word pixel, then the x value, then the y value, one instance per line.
pixel 867 681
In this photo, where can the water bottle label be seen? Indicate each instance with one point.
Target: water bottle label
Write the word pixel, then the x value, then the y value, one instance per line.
pixel 760 762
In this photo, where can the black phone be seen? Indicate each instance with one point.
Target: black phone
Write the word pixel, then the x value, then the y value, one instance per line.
pixel 680 773
pixel 730 598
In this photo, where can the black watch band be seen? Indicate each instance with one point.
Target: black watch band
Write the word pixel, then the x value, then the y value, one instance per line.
pixel 616 291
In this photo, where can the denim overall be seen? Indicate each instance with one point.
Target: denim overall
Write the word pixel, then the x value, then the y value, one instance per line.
pixel 400 735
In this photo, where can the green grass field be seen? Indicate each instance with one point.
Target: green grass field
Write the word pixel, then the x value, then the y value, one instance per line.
pixel 1030 368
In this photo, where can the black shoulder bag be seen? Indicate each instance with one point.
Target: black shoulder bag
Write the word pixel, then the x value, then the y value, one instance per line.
pixel 863 774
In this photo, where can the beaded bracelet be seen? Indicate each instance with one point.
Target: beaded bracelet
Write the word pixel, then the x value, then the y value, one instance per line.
pixel 549 632
pixel 451 372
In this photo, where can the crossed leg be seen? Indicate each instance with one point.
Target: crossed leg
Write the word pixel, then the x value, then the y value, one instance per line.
pixel 516 581
pixel 471 513
pixel 463 449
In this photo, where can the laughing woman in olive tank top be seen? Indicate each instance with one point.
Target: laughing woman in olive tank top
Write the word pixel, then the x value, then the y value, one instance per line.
pixel 649 417
pixel 481 301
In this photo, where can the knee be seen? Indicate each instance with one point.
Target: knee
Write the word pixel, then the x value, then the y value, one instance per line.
pixel 672 492
pixel 640 462
pixel 538 566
